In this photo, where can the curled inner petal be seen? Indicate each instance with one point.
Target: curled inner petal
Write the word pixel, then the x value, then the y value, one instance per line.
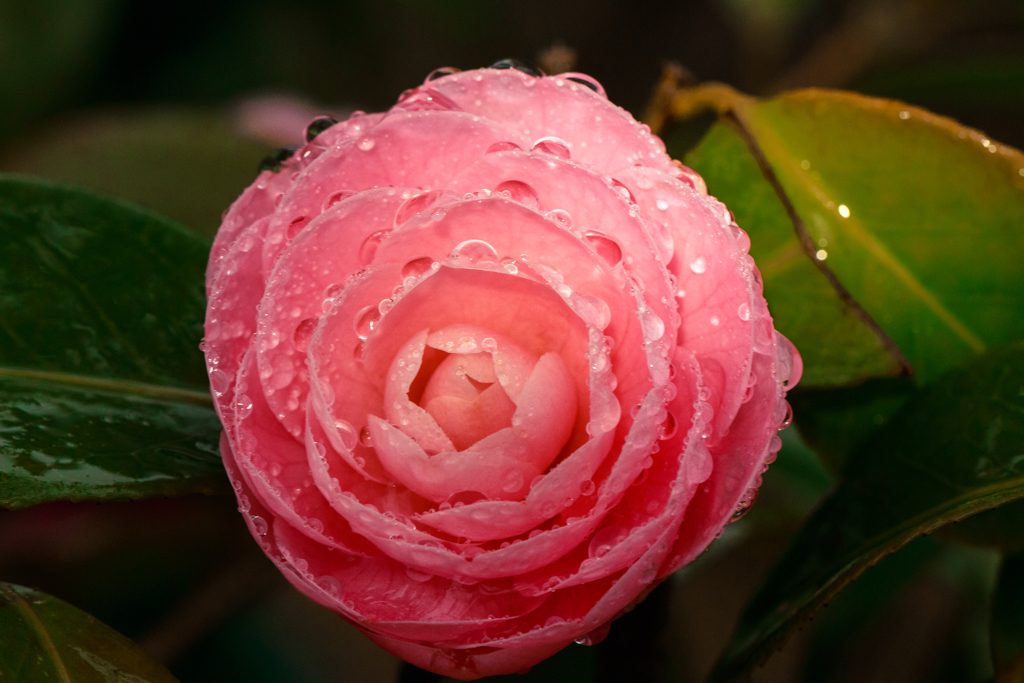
pixel 466 401
pixel 481 437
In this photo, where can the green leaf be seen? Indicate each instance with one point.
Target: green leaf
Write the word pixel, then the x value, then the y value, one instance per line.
pixel 914 219
pixel 1008 621
pixel 1001 528
pixel 836 421
pixel 836 344
pixel 186 163
pixel 46 639
pixel 953 450
pixel 103 389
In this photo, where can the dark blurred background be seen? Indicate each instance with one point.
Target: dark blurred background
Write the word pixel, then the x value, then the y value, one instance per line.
pixel 159 101
pixel 173 104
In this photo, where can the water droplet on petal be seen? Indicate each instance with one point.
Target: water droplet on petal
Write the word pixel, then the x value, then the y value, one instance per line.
pixel 699 265
pixel 561 217
pixel 319 125
pixel 441 73
pixel 219 381
pixel 513 482
pixel 519 192
pixel 588 82
pixel 653 326
pixel 518 66
pixel 415 205
pixel 587 487
pixel 426 99
pixel 594 311
pixel 606 247
pixel 489 344
pixel 552 146
pixel 670 426
pixel 475 251
pixel 370 245
pixel 744 311
pixel 503 147
pixel 347 432
pixel 787 417
pixel 260 525
pixel 688 176
pixel 296 226
pixel 623 191
pixel 366 144
pixel 303 332
pixel 416 267
pixel 337 197
pixel 243 407
pixel 605 539
pixel 662 205
pixel 366 320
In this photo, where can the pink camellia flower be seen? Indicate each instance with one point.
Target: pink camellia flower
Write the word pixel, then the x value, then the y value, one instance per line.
pixel 490 366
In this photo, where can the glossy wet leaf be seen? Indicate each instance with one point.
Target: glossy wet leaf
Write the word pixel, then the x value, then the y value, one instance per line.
pixel 1008 621
pixel 103 390
pixel 836 345
pixel 46 639
pixel 953 450
pixel 916 217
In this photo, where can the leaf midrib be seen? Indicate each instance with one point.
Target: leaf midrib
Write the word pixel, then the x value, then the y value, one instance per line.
pixel 120 386
pixel 41 633
pixel 891 540
pixel 782 158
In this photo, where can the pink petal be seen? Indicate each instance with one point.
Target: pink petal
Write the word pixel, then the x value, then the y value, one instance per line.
pixel 308 272
pixel 596 131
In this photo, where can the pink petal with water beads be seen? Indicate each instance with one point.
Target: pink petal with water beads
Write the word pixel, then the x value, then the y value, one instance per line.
pixel 529 313
pixel 550 493
pixel 740 459
pixel 654 502
pixel 603 219
pixel 715 290
pixel 467 664
pixel 414 421
pixel 406 149
pixel 276 469
pixel 518 236
pixel 511 364
pixel 255 203
pixel 597 132
pixel 522 556
pixel 600 213
pixel 229 323
pixel 374 510
pixel 260 199
pixel 540 427
pixel 397 602
pixel 341 393
pixel 578 610
pixel 310 271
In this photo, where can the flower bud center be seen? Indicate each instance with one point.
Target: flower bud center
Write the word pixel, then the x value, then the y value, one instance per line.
pixel 466 400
